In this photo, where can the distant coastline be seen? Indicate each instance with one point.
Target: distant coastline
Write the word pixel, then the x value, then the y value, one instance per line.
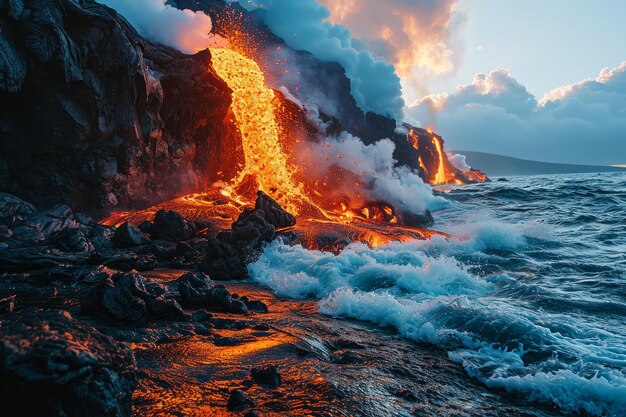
pixel 499 165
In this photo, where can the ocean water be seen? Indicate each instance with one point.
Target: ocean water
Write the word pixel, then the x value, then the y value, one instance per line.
pixel 529 296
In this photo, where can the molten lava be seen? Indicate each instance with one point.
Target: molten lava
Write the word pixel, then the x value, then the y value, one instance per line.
pixel 254 110
pixel 434 162
pixel 322 212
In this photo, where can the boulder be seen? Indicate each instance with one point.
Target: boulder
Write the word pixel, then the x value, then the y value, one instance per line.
pixel 124 297
pixel 128 235
pixel 171 225
pixel 52 365
pixel 274 214
pixel 196 291
pixel 238 401
pixel 268 375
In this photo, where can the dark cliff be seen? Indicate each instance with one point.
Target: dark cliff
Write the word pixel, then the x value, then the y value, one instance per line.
pixel 95 116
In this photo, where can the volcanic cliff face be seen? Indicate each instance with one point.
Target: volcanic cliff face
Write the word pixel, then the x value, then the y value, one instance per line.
pixel 95 116
pixel 325 88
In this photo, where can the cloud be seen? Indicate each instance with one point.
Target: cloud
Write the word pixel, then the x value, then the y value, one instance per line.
pixel 581 123
pixel 181 29
pixel 304 25
pixel 417 36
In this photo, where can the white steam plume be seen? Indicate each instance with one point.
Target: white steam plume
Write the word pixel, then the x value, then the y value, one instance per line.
pixel 374 164
pixel 303 25
pixel 158 22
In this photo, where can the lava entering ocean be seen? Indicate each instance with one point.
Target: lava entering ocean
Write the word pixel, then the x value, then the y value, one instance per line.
pixel 268 168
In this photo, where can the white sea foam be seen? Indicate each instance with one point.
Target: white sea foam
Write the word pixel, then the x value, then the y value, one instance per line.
pixel 424 290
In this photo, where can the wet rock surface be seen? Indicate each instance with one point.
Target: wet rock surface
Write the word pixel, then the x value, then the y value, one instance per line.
pixel 54 365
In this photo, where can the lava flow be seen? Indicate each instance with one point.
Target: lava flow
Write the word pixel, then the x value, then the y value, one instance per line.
pixel 266 167
pixel 436 167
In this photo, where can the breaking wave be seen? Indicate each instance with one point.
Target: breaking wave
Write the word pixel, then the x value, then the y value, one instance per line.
pixel 531 303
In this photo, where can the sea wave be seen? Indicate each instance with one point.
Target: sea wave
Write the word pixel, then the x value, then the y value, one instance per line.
pixel 527 304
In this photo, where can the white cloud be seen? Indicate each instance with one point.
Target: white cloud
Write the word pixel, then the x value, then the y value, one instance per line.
pixel 581 123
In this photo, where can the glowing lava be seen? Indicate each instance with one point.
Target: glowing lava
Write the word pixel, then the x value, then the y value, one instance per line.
pixel 254 110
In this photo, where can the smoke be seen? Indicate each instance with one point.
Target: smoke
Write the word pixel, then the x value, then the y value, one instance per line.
pixel 374 166
pixel 158 22
pixel 459 162
pixel 417 36
pixel 304 25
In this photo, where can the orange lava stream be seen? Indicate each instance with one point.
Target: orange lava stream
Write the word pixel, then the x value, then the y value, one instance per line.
pixel 254 110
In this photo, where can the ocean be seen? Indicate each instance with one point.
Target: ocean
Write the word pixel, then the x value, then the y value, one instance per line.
pixel 528 296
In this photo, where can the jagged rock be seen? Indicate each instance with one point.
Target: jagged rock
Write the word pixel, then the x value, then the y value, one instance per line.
pixel 125 297
pixel 121 297
pixel 172 226
pixel 196 290
pixel 102 237
pixel 422 221
pixel 266 376
pixel 52 365
pixel 238 401
pixel 128 235
pixel 274 214
pixel 71 240
pixel 254 305
pixel 223 261
pixel 127 261
pixel 14 210
pixel 120 111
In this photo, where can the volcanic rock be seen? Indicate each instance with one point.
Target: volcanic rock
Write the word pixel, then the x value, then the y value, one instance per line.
pixel 14 210
pixel 121 114
pixel 223 261
pixel 274 214
pixel 53 365
pixel 128 235
pixel 128 261
pixel 421 221
pixel 238 401
pixel 196 290
pixel 124 297
pixel 171 225
pixel 71 240
pixel 266 376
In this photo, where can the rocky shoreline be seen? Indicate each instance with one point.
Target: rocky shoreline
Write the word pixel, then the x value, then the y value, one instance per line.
pixel 98 320
pixel 62 274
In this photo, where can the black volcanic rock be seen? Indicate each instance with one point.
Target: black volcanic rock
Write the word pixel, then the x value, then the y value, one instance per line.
pixel 172 226
pixel 95 116
pixel 53 365
pixel 124 297
pixel 128 235
pixel 266 376
pixel 274 214
pixel 238 401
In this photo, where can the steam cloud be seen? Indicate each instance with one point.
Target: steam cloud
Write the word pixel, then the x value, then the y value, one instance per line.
pixel 579 123
pixel 158 22
pixel 304 25
pixel 374 164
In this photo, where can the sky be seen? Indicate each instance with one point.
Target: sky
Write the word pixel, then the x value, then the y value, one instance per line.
pixel 543 43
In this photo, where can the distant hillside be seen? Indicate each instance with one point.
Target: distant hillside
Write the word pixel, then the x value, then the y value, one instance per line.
pixel 498 165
